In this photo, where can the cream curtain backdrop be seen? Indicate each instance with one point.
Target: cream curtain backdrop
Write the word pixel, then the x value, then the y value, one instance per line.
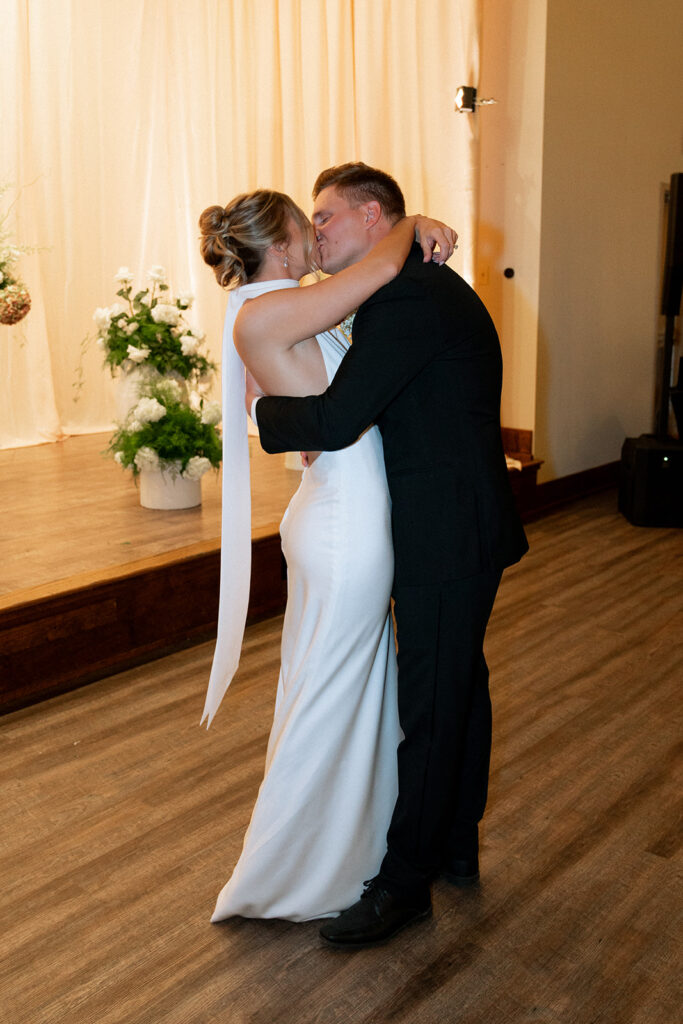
pixel 123 119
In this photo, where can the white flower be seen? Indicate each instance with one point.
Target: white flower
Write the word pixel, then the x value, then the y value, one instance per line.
pixel 133 426
pixel 137 355
pixel 196 467
pixel 116 309
pixel 149 410
pixel 188 345
pixel 101 343
pixel 102 318
pixel 211 413
pixel 119 458
pixel 146 458
pixel 123 275
pixel 173 390
pixel 163 313
pixel 185 299
pixel 157 274
pixel 10 254
pixel 131 327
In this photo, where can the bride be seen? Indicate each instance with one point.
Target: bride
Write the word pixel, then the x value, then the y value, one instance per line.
pixel 320 820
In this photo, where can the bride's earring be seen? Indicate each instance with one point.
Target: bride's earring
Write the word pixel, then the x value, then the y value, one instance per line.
pixel 285 262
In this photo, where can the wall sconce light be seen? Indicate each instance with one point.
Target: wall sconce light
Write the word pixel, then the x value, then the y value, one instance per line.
pixel 466 100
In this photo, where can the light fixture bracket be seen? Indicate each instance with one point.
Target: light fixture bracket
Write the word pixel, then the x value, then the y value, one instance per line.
pixel 466 100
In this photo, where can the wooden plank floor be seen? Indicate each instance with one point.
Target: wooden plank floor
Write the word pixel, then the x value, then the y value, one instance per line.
pixel 66 511
pixel 121 819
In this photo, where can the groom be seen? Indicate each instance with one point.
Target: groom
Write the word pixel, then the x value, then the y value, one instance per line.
pixel 425 365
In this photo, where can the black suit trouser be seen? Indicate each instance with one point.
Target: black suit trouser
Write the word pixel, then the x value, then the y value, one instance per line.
pixel 445 714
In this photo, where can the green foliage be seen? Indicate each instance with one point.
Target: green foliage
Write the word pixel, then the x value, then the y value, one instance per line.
pixel 135 325
pixel 176 438
pixel 9 250
pixel 163 430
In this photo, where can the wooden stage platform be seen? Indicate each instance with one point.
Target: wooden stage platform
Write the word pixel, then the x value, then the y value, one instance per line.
pixel 91 583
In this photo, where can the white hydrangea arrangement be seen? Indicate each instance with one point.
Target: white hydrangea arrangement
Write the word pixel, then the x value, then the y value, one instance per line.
pixel 164 431
pixel 172 427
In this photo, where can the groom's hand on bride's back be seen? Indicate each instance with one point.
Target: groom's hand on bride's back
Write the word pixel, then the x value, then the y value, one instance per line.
pixel 433 235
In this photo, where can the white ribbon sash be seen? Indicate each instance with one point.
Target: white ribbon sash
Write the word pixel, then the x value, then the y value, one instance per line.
pixel 236 518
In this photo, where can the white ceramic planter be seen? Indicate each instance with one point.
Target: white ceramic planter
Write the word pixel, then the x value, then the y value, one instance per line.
pixel 167 491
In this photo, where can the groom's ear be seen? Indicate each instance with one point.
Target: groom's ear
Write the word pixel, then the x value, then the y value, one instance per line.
pixel 372 213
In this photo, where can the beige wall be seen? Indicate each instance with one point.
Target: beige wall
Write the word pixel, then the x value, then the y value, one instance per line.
pixel 511 150
pixel 579 219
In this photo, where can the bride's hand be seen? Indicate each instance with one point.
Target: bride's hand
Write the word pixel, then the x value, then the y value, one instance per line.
pixel 432 234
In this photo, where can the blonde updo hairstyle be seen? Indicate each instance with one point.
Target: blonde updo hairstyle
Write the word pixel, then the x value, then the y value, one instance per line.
pixel 235 237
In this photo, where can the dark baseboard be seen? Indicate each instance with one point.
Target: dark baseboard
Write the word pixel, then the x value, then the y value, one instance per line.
pixel 554 493
pixel 75 633
pixel 81 633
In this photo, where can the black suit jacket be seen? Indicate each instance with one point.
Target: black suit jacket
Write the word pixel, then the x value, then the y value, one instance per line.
pixel 425 365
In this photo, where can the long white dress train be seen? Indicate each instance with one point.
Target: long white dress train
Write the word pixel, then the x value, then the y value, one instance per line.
pixel 318 828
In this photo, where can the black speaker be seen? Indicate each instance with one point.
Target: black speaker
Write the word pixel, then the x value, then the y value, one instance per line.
pixel 672 283
pixel 651 481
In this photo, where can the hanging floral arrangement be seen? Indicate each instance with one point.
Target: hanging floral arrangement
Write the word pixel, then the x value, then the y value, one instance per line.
pixel 15 301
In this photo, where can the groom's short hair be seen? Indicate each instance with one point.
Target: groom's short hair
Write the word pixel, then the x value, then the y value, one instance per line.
pixel 359 183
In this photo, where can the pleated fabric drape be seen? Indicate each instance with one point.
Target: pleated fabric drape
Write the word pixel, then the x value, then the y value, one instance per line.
pixel 122 120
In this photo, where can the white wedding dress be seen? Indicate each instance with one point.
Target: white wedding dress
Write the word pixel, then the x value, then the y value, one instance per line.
pixel 318 828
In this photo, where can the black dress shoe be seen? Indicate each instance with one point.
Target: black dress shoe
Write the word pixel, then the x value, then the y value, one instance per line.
pixel 462 872
pixel 377 916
